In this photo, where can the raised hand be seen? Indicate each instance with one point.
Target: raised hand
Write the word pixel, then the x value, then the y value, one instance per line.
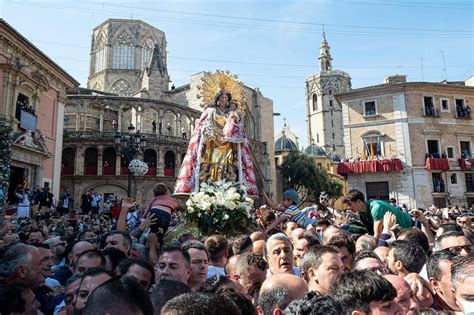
pixel 149 220
pixel 389 221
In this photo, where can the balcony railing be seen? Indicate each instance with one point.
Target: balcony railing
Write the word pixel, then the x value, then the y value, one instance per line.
pixel 104 135
pixel 67 170
pixel 438 186
pixel 372 166
pixel 124 170
pixel 169 172
pixel 430 112
pixel 151 171
pixel 108 170
pixel 90 170
pixel 466 164
pixel 463 112
pixel 441 164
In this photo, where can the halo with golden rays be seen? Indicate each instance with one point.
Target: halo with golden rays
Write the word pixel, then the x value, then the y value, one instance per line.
pixel 213 83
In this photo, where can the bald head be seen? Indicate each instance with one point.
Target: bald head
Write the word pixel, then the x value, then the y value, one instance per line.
pixel 405 296
pixel 296 286
pixel 296 234
pixel 382 252
pixel 366 242
pixel 258 247
pixel 257 236
pixel 331 231
pixel 230 266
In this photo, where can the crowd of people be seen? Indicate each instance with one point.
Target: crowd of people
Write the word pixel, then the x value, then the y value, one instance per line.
pixel 372 258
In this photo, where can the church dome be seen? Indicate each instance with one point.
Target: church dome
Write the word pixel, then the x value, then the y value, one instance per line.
pixel 314 150
pixel 285 144
pixel 335 158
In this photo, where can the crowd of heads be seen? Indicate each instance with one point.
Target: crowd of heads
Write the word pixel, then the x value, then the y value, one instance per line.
pixel 85 264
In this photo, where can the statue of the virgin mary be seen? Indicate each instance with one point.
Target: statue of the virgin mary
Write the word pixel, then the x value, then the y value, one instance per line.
pixel 218 148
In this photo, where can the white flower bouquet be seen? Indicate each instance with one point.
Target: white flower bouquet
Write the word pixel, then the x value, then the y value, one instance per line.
pixel 220 207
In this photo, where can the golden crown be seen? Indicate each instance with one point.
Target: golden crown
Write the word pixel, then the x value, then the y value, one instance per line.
pixel 220 82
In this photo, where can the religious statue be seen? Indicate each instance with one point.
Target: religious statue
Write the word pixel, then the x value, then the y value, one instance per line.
pixel 218 148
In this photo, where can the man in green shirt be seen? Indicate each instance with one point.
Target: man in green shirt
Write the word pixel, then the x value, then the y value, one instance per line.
pixel 375 210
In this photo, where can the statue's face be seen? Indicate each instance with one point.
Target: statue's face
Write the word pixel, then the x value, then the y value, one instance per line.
pixel 223 99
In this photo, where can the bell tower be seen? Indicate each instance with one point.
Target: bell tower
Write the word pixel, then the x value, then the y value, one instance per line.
pixel 324 115
pixel 325 59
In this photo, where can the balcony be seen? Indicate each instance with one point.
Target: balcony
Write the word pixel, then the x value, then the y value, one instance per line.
pixel 463 112
pixel 151 171
pixel 372 166
pixel 439 186
pixel 466 164
pixel 124 170
pixel 95 135
pixel 169 172
pixel 108 170
pixel 430 112
pixel 440 164
pixel 90 170
pixel 67 170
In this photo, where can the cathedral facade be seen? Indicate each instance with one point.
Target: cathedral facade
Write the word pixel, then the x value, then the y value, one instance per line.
pixel 123 54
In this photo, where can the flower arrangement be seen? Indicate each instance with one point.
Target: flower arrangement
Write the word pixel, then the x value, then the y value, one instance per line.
pixel 220 207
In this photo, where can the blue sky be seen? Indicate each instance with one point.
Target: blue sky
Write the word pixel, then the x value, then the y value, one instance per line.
pixel 273 44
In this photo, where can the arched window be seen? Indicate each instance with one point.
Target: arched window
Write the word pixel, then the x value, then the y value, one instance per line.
pixel 100 53
pixel 109 157
pixel 122 88
pixel 90 161
pixel 149 157
pixel 315 102
pixel 170 163
pixel 169 124
pixel 68 159
pixel 123 56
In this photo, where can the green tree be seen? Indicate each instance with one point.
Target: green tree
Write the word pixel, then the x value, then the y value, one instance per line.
pixel 302 174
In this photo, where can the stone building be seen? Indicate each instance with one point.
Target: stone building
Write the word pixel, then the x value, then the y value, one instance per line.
pixel 412 141
pixel 32 94
pixel 123 54
pixel 287 141
pixel 324 114
pixel 128 84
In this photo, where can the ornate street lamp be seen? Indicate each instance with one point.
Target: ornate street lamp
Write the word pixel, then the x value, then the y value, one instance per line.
pixel 130 145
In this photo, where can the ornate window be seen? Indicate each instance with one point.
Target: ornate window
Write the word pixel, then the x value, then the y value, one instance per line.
pixel 100 54
pixel 147 51
pixel 100 59
pixel 123 56
pixel 122 88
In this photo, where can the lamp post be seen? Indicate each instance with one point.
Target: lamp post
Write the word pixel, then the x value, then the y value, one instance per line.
pixel 130 145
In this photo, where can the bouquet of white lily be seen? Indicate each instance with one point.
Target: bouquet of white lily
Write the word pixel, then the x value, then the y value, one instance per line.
pixel 220 207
